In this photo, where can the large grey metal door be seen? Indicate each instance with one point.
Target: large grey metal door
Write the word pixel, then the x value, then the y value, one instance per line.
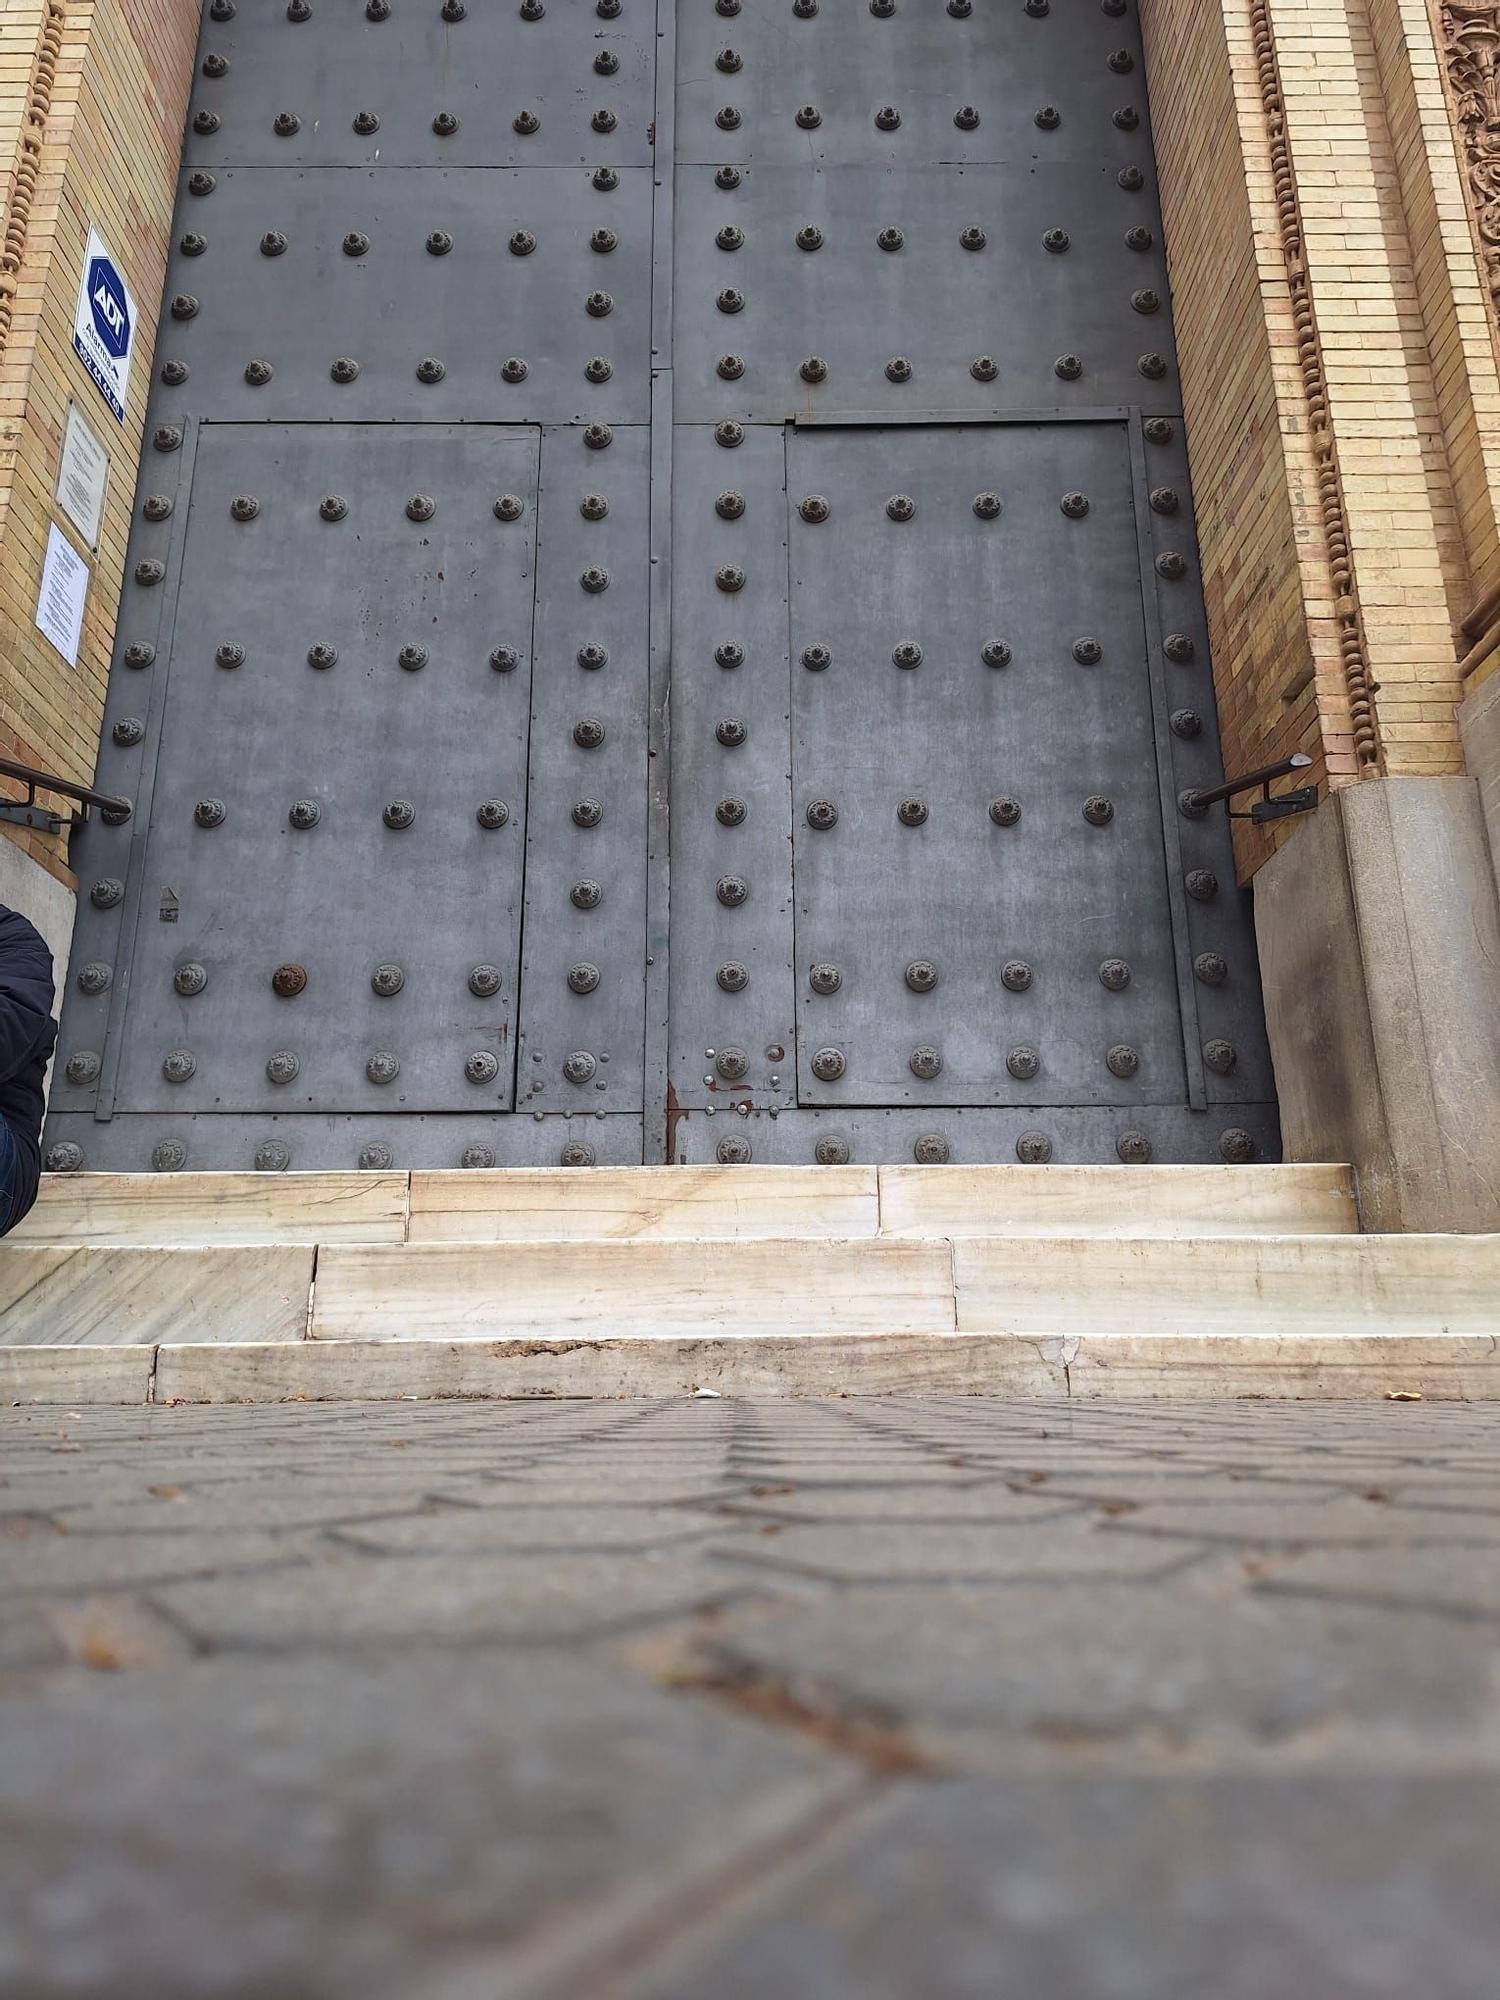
pixel 576 416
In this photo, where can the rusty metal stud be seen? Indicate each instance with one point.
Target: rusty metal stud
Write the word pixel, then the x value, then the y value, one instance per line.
pixel 1005 812
pixel 605 180
pixel 128 732
pixel 1122 1061
pixel 430 369
pixel 732 977
pixel 1186 722
pixel 733 1065
pixel 157 506
pixel 887 118
pixel 179 1066
pixel 1016 976
pixel 730 812
pixel 206 123
pixel 824 979
pixel 344 369
pixel 138 654
pixel 285 1066
pixel 816 659
pixel 921 975
pixel 995 653
pixel 1131 179
pixel 479 1157
pixel 586 895
pixel 148 571
pixel 210 813
pixel 579 1067
pixel 526 124
pixel 984 368
pixel 287 981
pixel 1211 968
pixel 366 123
pixel 175 373
pixel 966 118
pixel 386 981
pixel 1158 430
pixel 912 812
pixel 484 982
pixel 1087 652
pixel 729 434
pixel 814 369
pixel 384 1066
pixel 1067 368
pixel 1033 1149
pixel 731 367
pixel 729 654
pixel 244 507
pixel 1236 1146
pixel 83 1068
pixel 972 237
pixel 583 977
pixel 1134 1148
pixel 1171 565
pixel 1202 884
pixel 481 1067
pixel 898 369
pixel 492 814
pixel 727 118
pixel 95 978
pixel 890 238
pixel 828 1065
pixel 587 813
pixel 907 655
pixel 1164 500
pixel 901 507
pixel 1121 61
pixel 1221 1057
pixel 594 579
pixel 589 733
pixel 822 815
pixel 184 306
pixel 732 890
pixel 412 659
pixel 399 815
pixel 64 1158
pixel 190 978
pixel 832 1150
pixel 987 506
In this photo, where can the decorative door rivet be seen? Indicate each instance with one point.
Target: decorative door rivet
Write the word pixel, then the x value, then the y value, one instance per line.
pixel 492 814
pixel 366 123
pixel 729 434
pixel 1211 968
pixel 599 305
pixel 1134 1148
pixel 287 981
pixel 526 123
pixel 804 10
pixel 345 368
pixel 258 372
pixel 1131 179
pixel 355 244
pixel 169 1156
pixel 987 506
pixel 430 369
pixel 995 653
pixel 814 508
pixel 1122 1061
pixel 729 577
pixel 1087 652
pixel 399 815
pixel 1137 237
pixel 1016 976
pixel 522 243
pixel 731 367
pixel 128 732
pixel 215 65
pixel 272 1156
pixel 926 1062
pixel 592 658
pixel 284 1066
pixel 1221 1057
pixel 175 373
pixel 210 812
pixel 1048 118
pixel 814 369
pixel 583 977
pixel 577 1153
pixel 421 507
pixel 386 981
pixel 1190 805
pixel 732 1064
pixel 727 118
pixel 901 507
pixel 730 506
pixel 65 1158
pixel 1202 884
pixel 912 812
pixel 383 1067
pixel 594 579
pixel 1098 810
pixel 602 242
pixel 95 978
pixel 733 1150
pixel 586 895
pixel 206 123
pixel 1056 240
pixel 921 975
pixel 604 120
pixel 513 369
pixel 1033 1149
pixel 887 118
pixel 898 368
pixel 1005 812
pixel 244 507
pixel 510 507
pixel 179 1066
pixel 605 179
pixel 890 238
pixel 730 812
pixel 727 178
pixel 587 813
pixel 1164 500
pixel 817 659
pixel 729 60
pixel 481 1067
pixel 932 1149
pixel 137 654
pixel 184 306
pixel 831 1150
pixel 589 733
pixel 984 368
pixel 166 437
pixel 828 1065
pixel 1114 975
pixel 882 9
pixel 412 659
pixel 193 243
pixel 1023 1062
pixel 966 118
pixel 149 571
pixel 731 732
pixel 304 815
pixel 822 815
pixel 972 237
pixel 484 982
pixel 376 1157
pixel 1145 301
pixel 809 117
pixel 1127 118
pixel 732 977
pixel 579 1067
pixel 1236 1146
pixel 477 1156
pixel 731 890
pixel 598 437
pixel 730 237
pixel 1152 366
pixel 83 1068
pixel 201 184
pixel 1067 368
pixel 333 507
pixel 1186 722
pixel 824 979
pixel 505 659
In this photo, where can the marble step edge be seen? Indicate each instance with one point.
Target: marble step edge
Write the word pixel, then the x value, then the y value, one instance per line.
pixel 672 1203
pixel 1042 1367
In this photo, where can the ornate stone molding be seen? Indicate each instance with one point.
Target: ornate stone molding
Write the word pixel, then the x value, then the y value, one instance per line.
pixel 1352 652
pixel 27 166
pixel 1471 53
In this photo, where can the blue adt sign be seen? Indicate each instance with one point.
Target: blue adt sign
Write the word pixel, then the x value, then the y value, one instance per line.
pixel 104 323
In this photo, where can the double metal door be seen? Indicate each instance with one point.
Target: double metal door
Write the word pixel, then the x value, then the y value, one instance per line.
pixel 663 618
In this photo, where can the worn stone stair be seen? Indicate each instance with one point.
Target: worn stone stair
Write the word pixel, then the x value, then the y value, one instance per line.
pixel 621 1280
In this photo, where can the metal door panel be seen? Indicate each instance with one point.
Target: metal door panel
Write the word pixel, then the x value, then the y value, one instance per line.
pixel 1053 892
pixel 848 62
pixel 413 67
pixel 932 303
pixel 719 1023
pixel 566 931
pixel 351 892
pixel 398 306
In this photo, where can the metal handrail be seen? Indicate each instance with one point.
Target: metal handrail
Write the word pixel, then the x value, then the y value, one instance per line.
pixel 113 811
pixel 1304 799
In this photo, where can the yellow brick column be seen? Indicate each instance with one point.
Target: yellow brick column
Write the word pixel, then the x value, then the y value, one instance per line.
pixel 93 95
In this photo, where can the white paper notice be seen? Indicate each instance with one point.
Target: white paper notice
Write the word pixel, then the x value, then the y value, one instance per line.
pixel 82 477
pixel 65 584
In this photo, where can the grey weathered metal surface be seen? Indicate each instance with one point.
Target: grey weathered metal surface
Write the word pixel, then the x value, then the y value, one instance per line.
pixel 663 274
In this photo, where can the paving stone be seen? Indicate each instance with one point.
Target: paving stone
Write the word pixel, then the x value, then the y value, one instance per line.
pixel 1363 1889
pixel 924 1555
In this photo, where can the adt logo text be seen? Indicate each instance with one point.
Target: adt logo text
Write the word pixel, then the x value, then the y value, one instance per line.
pixel 107 301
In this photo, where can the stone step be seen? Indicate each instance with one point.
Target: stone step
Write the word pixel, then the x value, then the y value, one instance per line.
pixel 668 1203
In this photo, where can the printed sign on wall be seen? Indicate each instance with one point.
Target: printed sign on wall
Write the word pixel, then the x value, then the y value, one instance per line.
pixel 65 586
pixel 104 324
pixel 82 477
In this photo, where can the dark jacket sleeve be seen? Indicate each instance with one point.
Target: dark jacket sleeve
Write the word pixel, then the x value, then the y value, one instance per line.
pixel 25 992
